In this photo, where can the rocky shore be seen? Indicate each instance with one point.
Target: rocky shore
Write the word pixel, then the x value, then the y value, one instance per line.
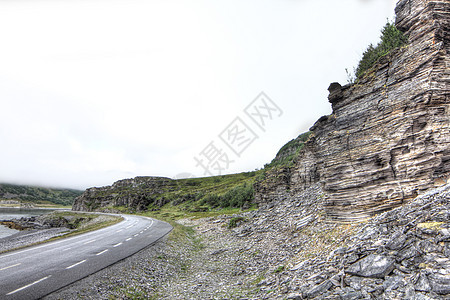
pixel 29 237
pixel 288 250
pixel 38 229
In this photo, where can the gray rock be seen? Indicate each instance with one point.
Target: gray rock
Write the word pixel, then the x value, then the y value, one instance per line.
pixel 352 296
pixel 397 241
pixel 294 296
pixel 440 283
pixel 392 283
pixel 422 284
pixel 320 289
pixel 373 266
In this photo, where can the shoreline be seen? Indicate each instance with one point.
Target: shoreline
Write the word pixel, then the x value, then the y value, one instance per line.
pixel 24 238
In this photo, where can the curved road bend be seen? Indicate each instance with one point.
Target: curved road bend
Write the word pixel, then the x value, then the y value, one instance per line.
pixel 34 272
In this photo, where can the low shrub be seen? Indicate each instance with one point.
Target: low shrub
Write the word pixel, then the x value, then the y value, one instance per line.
pixel 235 221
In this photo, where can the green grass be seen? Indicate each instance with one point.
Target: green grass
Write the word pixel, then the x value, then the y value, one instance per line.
pixel 279 269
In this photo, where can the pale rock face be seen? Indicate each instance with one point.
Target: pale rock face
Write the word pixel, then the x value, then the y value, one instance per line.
pixel 388 138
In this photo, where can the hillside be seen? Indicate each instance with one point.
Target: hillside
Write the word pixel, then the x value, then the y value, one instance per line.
pixel 37 195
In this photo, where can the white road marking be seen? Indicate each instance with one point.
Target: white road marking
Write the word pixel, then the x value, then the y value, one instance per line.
pixel 117 244
pixel 136 234
pixel 119 230
pixel 10 266
pixel 130 226
pixel 66 249
pixel 74 265
pixel 128 239
pixel 89 242
pixel 100 253
pixel 28 285
pixel 141 231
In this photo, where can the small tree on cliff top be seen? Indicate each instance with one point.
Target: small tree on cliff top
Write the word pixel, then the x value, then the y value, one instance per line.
pixel 391 38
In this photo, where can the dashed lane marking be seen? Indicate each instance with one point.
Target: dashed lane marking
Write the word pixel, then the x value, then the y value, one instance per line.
pixel 89 242
pixel 128 239
pixel 28 285
pixel 5 268
pixel 136 234
pixel 119 230
pixel 100 253
pixel 74 265
pixel 116 245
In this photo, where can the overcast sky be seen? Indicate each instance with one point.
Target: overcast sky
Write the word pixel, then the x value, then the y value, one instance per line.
pixel 95 91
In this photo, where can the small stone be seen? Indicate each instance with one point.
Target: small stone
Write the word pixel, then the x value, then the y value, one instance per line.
pixel 294 296
pixel 320 289
pixel 392 283
pixel 422 284
pixel 440 283
pixel 396 242
pixel 352 296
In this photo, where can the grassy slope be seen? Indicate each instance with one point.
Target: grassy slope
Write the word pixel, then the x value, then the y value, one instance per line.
pixel 38 195
pixel 197 197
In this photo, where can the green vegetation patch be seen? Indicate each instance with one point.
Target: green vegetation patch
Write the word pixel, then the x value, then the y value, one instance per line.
pixel 279 269
pixel 234 222
pixel 391 38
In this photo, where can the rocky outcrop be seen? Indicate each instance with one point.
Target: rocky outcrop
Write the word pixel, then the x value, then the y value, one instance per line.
pixel 388 138
pixel 137 193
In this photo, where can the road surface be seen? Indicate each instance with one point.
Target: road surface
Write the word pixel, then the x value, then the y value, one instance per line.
pixel 34 272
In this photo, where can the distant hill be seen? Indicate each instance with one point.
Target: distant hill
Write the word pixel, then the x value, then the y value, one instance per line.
pixel 38 195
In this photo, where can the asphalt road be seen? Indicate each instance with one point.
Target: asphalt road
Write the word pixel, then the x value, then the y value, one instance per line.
pixel 34 272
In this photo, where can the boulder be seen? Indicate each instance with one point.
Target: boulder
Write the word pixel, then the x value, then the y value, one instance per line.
pixel 373 266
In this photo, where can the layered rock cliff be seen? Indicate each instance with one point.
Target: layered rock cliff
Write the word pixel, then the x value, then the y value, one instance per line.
pixel 388 138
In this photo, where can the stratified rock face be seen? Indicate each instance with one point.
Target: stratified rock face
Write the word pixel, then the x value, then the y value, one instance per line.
pixel 135 193
pixel 388 138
